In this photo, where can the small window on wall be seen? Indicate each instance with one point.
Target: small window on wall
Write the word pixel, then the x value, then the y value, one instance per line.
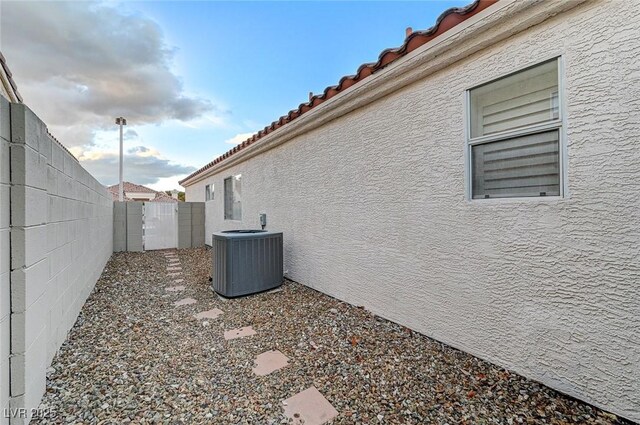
pixel 208 192
pixel 514 138
pixel 233 198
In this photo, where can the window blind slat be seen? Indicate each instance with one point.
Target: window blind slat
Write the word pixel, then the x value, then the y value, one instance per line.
pixel 523 181
pixel 516 121
pixel 520 166
pixel 529 161
pixel 521 172
pixel 523 151
pixel 526 98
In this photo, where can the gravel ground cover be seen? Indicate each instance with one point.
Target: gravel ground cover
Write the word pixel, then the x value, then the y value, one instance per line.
pixel 135 357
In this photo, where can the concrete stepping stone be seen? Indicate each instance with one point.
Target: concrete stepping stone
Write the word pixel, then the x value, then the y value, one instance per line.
pixel 175 288
pixel 309 407
pixel 184 301
pixel 209 314
pixel 270 361
pixel 173 269
pixel 175 274
pixel 239 333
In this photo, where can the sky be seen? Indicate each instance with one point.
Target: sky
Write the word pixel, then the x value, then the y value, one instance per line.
pixel 192 78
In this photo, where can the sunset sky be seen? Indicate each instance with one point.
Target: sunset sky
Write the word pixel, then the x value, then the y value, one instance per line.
pixel 192 78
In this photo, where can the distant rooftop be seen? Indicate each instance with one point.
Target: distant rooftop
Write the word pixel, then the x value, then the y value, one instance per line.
pixel 137 192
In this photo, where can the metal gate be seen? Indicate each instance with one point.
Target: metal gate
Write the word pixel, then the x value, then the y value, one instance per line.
pixel 160 225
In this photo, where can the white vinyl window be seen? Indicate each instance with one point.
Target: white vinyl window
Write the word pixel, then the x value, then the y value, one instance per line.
pixel 514 137
pixel 232 198
pixel 209 192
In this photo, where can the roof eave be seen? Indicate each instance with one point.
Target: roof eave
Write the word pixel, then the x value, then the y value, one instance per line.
pixel 485 28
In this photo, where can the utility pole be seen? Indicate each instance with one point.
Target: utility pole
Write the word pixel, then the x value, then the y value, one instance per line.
pixel 121 121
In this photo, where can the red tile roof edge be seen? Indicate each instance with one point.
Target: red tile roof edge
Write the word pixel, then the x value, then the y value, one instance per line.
pixel 160 196
pixel 12 83
pixel 447 20
pixel 132 187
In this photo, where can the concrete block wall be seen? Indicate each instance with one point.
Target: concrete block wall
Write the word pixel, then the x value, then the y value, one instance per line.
pixel 119 226
pixel 134 226
pixel 61 238
pixel 197 224
pixel 5 256
pixel 184 225
pixel 128 225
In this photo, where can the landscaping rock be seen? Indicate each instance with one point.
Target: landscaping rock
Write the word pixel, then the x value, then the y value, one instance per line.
pixel 132 357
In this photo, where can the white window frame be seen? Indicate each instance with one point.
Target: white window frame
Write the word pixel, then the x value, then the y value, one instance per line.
pixel 559 124
pixel 209 188
pixel 224 197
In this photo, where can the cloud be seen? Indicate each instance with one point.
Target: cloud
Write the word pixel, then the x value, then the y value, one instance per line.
pixel 143 151
pixel 142 165
pixel 239 138
pixel 130 135
pixel 80 64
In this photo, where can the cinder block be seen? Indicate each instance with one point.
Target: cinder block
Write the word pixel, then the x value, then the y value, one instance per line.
pixel 57 157
pixel 5 158
pixel 134 208
pixel 197 240
pixel 4 378
pixel 184 236
pixel 76 250
pixel 5 257
pixel 5 338
pixel 45 148
pixel 28 371
pixel 26 127
pixel 28 284
pixel 56 261
pixel 5 299
pixel 4 362
pixel 197 224
pixel 29 206
pixel 68 164
pixel 27 327
pixel 52 180
pixel 28 245
pixel 28 167
pixel 4 206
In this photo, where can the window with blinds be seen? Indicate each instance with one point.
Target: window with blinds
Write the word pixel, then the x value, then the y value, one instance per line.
pixel 208 192
pixel 515 135
pixel 232 198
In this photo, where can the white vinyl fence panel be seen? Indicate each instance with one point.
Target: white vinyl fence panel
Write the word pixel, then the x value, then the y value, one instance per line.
pixel 160 225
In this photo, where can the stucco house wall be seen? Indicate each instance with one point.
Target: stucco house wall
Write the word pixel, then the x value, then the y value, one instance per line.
pixel 373 209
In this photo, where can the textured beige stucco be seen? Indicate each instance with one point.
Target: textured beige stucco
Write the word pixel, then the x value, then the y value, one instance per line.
pixel 373 210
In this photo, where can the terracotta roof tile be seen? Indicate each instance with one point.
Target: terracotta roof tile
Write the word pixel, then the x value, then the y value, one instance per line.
pixel 137 188
pixel 12 83
pixel 163 197
pixel 132 187
pixel 447 20
pixel 116 196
